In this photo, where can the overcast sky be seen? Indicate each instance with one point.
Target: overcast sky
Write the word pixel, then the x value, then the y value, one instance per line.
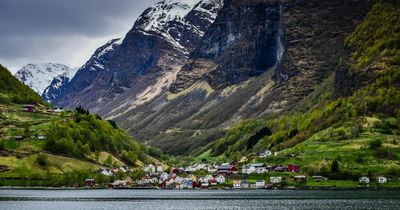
pixel 62 31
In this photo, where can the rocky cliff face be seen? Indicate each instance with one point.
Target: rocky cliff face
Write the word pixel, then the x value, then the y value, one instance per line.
pixel 245 41
pixel 72 94
pixel 315 32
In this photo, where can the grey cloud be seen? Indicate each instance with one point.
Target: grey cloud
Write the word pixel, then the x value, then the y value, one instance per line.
pixel 50 30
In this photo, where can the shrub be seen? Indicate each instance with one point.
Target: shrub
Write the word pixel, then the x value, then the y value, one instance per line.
pixel 335 167
pixel 375 144
pixel 385 153
pixel 42 160
pixel 2 145
pixel 129 157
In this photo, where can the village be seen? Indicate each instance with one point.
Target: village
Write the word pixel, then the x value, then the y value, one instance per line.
pixel 222 176
pixel 241 174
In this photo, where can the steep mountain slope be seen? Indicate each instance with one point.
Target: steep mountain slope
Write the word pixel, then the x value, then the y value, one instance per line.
pixel 254 61
pixel 87 75
pixel 146 61
pixel 352 117
pixel 40 76
pixel 13 91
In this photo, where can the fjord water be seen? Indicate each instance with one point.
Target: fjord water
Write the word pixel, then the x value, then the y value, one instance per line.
pixel 196 199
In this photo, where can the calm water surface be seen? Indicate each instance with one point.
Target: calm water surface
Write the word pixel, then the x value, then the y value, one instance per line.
pixel 182 199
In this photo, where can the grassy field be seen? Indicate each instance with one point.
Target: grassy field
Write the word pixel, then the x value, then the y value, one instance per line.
pixel 29 166
pixel 20 162
pixel 353 154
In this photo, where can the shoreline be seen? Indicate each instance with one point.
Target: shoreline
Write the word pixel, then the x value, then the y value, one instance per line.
pixel 220 189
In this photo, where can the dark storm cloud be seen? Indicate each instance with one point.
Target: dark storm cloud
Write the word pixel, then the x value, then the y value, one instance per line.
pixel 60 30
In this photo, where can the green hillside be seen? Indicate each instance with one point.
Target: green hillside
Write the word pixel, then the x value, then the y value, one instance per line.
pixel 76 144
pixel 360 129
pixel 13 91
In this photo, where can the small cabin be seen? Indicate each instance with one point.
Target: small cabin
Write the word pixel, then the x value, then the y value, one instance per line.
pixel 90 182
pixel 227 169
pixel 319 178
pixel 19 138
pixel 275 180
pixel 245 184
pixel 220 179
pixel 264 154
pixel 293 168
pixel 237 184
pixel 382 180
pixel 28 108
pixel 364 180
pixel 300 178
pixel 260 183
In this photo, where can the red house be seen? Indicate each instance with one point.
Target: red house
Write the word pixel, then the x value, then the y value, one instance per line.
pixel 195 185
pixel 28 108
pixel 227 169
pixel 293 168
pixel 177 171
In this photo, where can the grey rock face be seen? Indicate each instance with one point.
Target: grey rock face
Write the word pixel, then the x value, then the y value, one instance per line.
pixel 245 41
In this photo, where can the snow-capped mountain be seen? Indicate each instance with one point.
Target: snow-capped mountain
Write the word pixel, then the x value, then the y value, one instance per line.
pixel 101 56
pixel 40 76
pixel 57 86
pixel 143 64
pixel 87 72
pixel 167 18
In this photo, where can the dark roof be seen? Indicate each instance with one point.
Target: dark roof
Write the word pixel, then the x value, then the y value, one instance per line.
pixel 225 167
pixel 258 165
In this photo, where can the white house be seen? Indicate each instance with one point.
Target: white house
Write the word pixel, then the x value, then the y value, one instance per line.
pixel 119 183
pixel 212 169
pixel 275 180
pixel 246 169
pixel 201 166
pixel 164 176
pixel 245 184
pixel 149 168
pixel 122 169
pixel 265 153
pixel 57 110
pixel 258 168
pixel 220 179
pixel 190 169
pixel 364 180
pixel 160 169
pixel 106 172
pixel 382 180
pixel 260 183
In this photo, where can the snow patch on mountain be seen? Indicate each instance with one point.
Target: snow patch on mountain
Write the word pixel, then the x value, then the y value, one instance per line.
pixel 100 57
pixel 58 84
pixel 166 11
pixel 166 15
pixel 40 76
